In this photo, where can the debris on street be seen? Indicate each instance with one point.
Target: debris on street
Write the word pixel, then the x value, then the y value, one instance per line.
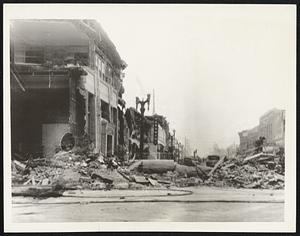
pixel 77 169
pixel 255 171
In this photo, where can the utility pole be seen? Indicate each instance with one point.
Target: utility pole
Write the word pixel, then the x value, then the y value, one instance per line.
pixel 142 109
pixel 174 145
pixel 184 146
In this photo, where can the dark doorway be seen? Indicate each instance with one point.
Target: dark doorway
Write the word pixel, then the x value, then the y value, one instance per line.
pixel 91 116
pixel 109 145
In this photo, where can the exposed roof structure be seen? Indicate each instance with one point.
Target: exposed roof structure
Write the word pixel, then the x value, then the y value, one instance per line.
pixel 48 33
pixel 66 32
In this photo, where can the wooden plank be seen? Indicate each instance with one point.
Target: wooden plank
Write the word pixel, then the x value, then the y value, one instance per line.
pixel 216 166
pixel 35 191
pixel 261 154
pixel 252 157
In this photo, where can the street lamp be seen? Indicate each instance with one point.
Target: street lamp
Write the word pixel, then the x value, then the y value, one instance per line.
pixel 174 145
pixel 142 109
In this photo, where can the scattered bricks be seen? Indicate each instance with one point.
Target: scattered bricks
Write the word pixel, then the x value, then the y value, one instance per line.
pixel 280 177
pixel 94 175
pixel 154 176
pixel 84 179
pixel 140 179
pixel 134 165
pixel 153 182
pixel 219 184
pixel 229 166
pixel 136 186
pixel 217 165
pixel 253 185
pixel 102 176
pixel 33 180
pixel 19 166
pixel 192 182
pixel 255 176
pixel 83 172
pixel 70 185
pixel 164 182
pixel 19 157
pixel 127 177
pixel 121 185
pixel 97 185
pixel 83 164
pixel 27 182
pixel 238 180
pixel 45 181
pixel 85 185
pixel 94 164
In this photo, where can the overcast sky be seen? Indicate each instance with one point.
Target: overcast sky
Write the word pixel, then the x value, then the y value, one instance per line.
pixel 215 70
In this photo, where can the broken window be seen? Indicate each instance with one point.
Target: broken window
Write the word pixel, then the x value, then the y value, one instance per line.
pixel 105 113
pixel 115 117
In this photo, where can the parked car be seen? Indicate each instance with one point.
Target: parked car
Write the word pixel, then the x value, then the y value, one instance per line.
pixel 211 160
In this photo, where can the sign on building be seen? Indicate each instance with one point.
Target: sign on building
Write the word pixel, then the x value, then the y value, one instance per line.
pixel 155 133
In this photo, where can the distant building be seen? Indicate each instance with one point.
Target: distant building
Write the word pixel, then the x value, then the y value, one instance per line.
pixel 248 137
pixel 271 126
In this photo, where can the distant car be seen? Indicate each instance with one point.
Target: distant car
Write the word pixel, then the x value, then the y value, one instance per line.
pixel 211 160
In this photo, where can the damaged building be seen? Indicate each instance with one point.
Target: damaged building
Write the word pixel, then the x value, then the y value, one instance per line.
pixel 271 127
pixel 157 139
pixel 66 86
pixel 158 148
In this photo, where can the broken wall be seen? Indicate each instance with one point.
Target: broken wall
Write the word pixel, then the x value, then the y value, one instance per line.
pixel 31 111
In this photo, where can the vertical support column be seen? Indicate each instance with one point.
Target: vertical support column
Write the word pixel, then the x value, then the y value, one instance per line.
pixel 105 152
pixel 99 131
pixel 117 125
pixel 87 112
pixel 113 146
pixel 97 134
pixel 72 105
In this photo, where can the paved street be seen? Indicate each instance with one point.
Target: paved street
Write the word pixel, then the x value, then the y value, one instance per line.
pixel 205 204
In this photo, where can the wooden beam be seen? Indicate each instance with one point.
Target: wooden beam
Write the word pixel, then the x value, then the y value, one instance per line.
pixel 18 81
pixel 216 165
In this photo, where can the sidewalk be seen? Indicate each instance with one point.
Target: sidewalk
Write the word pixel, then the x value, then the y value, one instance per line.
pixel 192 194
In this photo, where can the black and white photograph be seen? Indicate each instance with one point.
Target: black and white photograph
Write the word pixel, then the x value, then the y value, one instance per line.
pixel 149 116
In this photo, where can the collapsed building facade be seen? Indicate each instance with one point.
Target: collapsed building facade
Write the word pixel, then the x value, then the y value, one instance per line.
pixel 271 127
pixel 66 79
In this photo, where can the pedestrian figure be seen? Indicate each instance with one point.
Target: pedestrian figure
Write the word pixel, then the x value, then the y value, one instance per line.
pixel 259 144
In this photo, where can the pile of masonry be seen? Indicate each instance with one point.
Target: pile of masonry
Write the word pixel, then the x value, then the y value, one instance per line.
pixel 261 171
pixel 68 170
pixel 74 170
